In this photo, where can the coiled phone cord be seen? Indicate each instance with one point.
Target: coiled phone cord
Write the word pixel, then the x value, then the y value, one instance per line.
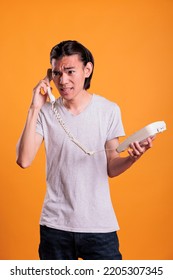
pixel 67 131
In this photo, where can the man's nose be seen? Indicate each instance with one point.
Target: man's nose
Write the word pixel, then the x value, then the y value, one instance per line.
pixel 63 78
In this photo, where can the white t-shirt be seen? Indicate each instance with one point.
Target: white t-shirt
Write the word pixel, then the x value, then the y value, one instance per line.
pixel 78 197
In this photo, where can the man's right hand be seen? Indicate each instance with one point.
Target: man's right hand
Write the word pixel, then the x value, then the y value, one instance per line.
pixel 40 92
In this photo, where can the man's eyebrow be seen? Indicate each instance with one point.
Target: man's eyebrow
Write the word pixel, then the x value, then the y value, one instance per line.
pixel 68 68
pixel 65 68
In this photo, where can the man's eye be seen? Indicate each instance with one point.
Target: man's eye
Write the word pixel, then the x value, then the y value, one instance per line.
pixel 70 72
pixel 55 73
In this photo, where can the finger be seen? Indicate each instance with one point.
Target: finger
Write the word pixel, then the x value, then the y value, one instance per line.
pixel 147 144
pixel 150 142
pixel 41 87
pixel 153 137
pixel 137 149
pixel 143 143
pixel 133 155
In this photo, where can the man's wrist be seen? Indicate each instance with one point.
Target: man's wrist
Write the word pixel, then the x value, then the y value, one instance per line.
pixel 34 108
pixel 132 159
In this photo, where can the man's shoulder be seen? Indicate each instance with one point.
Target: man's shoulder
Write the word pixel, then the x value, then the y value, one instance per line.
pixel 106 103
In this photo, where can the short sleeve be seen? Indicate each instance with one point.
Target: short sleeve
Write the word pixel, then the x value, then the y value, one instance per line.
pixel 39 125
pixel 115 126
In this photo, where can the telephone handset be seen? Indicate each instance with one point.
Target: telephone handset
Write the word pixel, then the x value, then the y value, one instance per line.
pixel 51 96
pixel 49 92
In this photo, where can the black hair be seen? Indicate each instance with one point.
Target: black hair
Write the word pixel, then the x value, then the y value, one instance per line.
pixel 70 47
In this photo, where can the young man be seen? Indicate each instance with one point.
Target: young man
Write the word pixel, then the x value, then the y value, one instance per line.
pixel 77 219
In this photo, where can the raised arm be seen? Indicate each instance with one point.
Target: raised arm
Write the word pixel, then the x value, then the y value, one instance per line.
pixel 30 141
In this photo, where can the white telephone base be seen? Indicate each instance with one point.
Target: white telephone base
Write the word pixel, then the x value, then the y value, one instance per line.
pixel 142 134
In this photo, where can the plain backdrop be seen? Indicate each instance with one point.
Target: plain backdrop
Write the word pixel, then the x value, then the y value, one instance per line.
pixel 132 43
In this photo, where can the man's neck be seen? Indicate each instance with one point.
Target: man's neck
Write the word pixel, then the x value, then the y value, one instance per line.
pixel 78 104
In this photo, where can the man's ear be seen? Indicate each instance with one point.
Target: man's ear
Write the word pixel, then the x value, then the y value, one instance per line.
pixel 88 69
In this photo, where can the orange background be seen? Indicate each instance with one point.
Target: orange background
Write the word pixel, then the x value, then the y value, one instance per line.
pixel 132 42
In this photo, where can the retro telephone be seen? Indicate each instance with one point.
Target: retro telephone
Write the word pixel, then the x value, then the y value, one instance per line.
pixel 140 136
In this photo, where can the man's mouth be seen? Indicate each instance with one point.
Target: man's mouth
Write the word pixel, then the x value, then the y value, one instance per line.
pixel 65 90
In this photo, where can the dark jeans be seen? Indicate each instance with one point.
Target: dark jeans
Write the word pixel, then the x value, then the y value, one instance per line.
pixel 63 245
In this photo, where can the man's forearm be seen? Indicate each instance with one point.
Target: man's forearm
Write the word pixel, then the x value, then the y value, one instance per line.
pixel 118 165
pixel 26 147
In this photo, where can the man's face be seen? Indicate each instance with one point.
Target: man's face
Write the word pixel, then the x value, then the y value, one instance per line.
pixel 69 75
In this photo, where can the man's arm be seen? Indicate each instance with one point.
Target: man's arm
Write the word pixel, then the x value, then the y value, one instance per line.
pixel 116 164
pixel 30 140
